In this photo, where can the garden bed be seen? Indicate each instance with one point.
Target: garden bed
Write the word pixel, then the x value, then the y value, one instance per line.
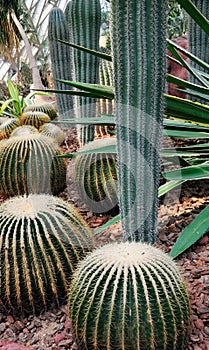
pixel 51 329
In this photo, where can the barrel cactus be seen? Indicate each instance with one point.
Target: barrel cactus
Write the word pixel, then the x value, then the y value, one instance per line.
pixel 53 131
pixel 29 164
pixel 34 118
pixel 42 240
pixel 129 296
pixel 7 127
pixel 43 107
pixel 96 176
pixel 24 129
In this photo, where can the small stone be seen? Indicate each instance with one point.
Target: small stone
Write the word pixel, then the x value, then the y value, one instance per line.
pixel 199 323
pixel 59 337
pixel 10 319
pixel 2 327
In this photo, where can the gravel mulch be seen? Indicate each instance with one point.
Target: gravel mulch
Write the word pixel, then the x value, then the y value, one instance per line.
pixel 51 329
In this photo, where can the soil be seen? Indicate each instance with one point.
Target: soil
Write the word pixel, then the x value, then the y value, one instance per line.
pixel 51 329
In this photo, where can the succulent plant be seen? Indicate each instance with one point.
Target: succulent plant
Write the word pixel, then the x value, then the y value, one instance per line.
pixel 53 131
pixel 96 176
pixel 42 240
pixel 43 107
pixel 61 61
pixel 7 127
pixel 129 296
pixel 34 118
pixel 24 129
pixel 29 164
pixel 84 21
pixel 138 41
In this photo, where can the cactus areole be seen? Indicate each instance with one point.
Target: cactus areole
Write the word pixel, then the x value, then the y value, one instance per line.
pixel 138 34
pixel 129 296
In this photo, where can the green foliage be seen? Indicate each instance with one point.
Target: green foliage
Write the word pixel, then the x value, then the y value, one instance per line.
pixel 42 240
pixel 129 296
pixel 29 164
pixel 177 20
pixel 96 176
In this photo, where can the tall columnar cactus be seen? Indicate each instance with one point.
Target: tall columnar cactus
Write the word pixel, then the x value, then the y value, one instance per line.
pixel 29 164
pixel 84 20
pixel 199 40
pixel 42 240
pixel 129 296
pixel 138 34
pixel 96 176
pixel 61 61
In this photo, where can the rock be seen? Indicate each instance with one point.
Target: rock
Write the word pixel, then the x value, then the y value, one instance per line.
pixel 59 337
pixel 12 346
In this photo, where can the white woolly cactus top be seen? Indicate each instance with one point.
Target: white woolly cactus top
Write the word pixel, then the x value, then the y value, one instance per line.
pixel 106 141
pixel 24 130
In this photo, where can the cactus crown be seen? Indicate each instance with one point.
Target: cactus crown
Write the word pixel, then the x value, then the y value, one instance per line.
pixel 29 164
pixel 24 130
pixel 129 296
pixel 53 131
pixel 42 239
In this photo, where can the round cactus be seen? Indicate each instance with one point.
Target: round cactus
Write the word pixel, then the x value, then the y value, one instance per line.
pixel 7 127
pixel 3 119
pixel 36 119
pixel 29 164
pixel 42 240
pixel 53 131
pixel 24 129
pixel 96 176
pixel 45 107
pixel 129 296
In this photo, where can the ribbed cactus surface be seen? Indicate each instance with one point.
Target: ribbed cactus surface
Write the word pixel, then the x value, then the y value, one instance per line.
pixel 129 296
pixel 84 21
pixel 29 164
pixel 53 131
pixel 96 176
pixel 138 36
pixel 23 130
pixel 61 61
pixel 42 240
pixel 198 41
pixel 43 107
pixel 7 127
pixel 34 118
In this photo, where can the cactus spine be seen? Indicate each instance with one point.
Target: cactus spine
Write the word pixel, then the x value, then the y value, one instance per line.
pixel 96 176
pixel 128 296
pixel 84 20
pixel 29 164
pixel 42 239
pixel 61 61
pixel 198 40
pixel 138 32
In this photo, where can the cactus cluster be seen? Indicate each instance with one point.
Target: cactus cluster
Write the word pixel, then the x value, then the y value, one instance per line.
pixel 43 107
pixel 53 131
pixel 84 21
pixel 129 296
pixel 29 164
pixel 7 127
pixel 42 240
pixel 96 176
pixel 34 118
pixel 61 61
